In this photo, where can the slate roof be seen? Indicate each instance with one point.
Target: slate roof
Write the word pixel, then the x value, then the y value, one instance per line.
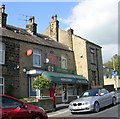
pixel 22 35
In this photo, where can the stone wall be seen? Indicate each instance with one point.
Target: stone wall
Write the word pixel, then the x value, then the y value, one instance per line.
pixel 10 70
pixel 16 60
pixel 46 104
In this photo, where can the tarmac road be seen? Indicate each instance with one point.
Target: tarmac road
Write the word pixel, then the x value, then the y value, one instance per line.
pixel 110 112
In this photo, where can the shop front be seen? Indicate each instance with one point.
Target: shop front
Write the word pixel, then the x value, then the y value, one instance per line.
pixel 64 87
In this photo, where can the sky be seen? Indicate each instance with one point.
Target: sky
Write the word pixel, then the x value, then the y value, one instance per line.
pixel 94 20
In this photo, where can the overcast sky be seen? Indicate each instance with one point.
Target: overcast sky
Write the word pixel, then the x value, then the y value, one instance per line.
pixel 97 21
pixel 94 20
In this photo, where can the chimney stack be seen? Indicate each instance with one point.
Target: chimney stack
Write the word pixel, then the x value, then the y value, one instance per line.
pixel 3 17
pixel 32 27
pixel 70 33
pixel 54 27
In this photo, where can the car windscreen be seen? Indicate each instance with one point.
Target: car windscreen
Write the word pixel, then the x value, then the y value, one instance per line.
pixel 90 93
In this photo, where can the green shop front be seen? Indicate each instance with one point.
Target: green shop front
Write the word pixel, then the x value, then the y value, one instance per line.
pixel 67 86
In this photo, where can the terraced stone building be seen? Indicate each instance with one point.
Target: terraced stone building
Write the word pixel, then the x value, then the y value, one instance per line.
pixel 25 54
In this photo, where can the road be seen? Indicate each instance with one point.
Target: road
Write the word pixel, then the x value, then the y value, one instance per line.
pixel 110 112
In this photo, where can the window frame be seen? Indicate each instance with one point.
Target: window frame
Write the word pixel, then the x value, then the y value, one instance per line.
pixel 92 55
pixel 2 50
pixel 37 54
pixel 64 58
pixel 2 84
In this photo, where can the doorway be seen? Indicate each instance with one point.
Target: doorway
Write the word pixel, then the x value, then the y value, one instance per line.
pixel 64 93
pixel 33 92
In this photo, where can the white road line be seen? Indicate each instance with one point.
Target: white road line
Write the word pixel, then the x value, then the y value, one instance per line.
pixel 58 113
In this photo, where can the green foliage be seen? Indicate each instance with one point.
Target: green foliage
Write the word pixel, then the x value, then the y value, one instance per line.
pixel 114 63
pixel 41 82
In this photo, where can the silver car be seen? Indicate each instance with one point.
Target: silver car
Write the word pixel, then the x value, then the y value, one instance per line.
pixel 93 100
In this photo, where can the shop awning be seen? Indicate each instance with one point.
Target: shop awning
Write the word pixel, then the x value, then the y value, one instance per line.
pixel 64 78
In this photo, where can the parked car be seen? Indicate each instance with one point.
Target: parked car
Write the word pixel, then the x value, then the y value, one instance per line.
pixel 12 108
pixel 93 100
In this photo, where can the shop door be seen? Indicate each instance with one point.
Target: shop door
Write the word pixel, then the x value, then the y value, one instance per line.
pixel 64 93
pixel 33 92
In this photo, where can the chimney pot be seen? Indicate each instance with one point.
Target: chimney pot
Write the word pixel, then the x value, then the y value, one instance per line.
pixel 3 8
pixel 32 19
pixel 54 18
pixel 3 17
pixel 31 27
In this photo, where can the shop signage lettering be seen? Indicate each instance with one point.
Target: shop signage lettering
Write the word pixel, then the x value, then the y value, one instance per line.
pixel 65 79
pixel 64 70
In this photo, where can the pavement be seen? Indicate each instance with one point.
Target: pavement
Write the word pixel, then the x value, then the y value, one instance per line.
pixel 61 106
pixel 58 107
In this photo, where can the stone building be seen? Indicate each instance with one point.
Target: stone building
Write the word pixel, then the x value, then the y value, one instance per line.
pixel 25 54
pixel 88 56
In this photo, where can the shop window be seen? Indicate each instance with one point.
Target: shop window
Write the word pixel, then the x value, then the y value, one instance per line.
pixel 37 57
pixel 92 54
pixel 64 62
pixel 58 90
pixel 72 90
pixel 1 85
pixel 2 53
pixel 45 93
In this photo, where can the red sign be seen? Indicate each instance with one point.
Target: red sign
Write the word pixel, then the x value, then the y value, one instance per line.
pixel 52 58
pixel 29 52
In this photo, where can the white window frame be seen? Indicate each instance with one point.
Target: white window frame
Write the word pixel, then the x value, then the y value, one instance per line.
pixel 2 83
pixel 2 50
pixel 39 55
pixel 64 59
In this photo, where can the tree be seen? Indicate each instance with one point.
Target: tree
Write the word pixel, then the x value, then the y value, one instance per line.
pixel 114 63
pixel 41 83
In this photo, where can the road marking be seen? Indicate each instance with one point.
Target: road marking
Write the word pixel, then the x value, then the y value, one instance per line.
pixel 58 113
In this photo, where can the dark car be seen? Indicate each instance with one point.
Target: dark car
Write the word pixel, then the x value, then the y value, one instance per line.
pixel 12 108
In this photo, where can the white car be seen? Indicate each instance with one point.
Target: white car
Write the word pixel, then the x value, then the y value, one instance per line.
pixel 93 100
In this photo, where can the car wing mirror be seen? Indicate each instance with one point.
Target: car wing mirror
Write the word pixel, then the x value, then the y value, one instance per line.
pixel 101 94
pixel 24 106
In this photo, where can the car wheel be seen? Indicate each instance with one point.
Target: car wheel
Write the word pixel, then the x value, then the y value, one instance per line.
pixel 37 117
pixel 96 107
pixel 113 101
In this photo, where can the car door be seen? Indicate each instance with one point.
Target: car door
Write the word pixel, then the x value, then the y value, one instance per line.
pixel 104 97
pixel 11 109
